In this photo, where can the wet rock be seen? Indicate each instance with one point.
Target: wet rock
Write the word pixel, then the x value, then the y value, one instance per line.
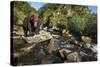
pixel 69 56
pixel 82 53
pixel 69 39
pixel 88 58
pixel 62 51
pixel 94 48
pixel 88 54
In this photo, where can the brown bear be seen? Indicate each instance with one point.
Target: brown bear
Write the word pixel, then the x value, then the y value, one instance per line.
pixel 32 24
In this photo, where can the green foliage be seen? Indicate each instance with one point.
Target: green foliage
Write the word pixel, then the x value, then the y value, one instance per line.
pixel 59 14
pixel 21 9
pixel 24 7
pixel 91 27
pixel 77 19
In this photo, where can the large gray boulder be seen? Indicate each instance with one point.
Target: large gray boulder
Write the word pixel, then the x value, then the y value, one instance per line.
pixel 42 36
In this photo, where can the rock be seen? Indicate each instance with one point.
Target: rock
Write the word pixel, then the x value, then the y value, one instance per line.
pixel 69 56
pixel 87 41
pixel 82 53
pixel 53 45
pixel 20 22
pixel 87 45
pixel 63 42
pixel 45 28
pixel 67 46
pixel 55 36
pixel 67 35
pixel 88 58
pixel 28 49
pixel 17 37
pixel 73 57
pixel 50 30
pixel 61 52
pixel 42 36
pixel 94 48
pixel 20 33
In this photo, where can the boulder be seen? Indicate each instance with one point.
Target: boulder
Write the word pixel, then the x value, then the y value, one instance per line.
pixel 53 45
pixel 62 51
pixel 73 57
pixel 87 45
pixel 87 41
pixel 42 36
pixel 69 56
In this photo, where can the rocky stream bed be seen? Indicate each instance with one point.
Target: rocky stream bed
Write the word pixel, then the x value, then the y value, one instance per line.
pixel 49 47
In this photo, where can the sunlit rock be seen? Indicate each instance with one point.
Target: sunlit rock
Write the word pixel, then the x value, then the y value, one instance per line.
pixel 87 41
pixel 42 36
